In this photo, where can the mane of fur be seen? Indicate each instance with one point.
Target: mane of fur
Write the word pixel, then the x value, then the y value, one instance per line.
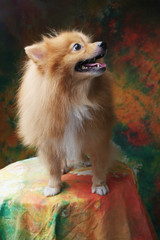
pixel 48 92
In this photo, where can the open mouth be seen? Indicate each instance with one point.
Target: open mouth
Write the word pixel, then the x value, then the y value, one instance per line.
pixel 90 65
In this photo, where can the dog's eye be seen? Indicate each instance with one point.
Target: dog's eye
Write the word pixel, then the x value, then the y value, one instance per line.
pixel 77 47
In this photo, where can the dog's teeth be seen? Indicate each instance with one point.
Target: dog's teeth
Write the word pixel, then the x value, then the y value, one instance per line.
pixel 84 67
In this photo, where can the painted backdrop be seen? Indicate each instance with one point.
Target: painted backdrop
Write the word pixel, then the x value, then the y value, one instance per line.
pixel 132 30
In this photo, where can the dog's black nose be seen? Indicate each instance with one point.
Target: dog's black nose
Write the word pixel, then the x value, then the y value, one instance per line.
pixel 103 45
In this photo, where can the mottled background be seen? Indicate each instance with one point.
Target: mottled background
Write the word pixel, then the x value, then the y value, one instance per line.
pixel 132 30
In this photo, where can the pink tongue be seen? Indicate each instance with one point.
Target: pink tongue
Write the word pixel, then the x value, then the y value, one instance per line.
pixel 95 65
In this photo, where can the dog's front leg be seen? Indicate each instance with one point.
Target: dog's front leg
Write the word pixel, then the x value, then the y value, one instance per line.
pixel 52 159
pixel 100 158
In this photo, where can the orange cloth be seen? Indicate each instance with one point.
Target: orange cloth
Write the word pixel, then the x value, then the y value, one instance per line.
pixel 75 213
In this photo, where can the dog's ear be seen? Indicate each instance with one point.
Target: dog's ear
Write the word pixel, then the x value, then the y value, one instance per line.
pixel 36 52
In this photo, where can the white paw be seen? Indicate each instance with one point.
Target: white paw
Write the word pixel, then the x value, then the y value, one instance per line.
pixel 48 191
pixel 100 190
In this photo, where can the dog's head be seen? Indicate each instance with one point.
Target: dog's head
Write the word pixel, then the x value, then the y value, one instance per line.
pixel 69 53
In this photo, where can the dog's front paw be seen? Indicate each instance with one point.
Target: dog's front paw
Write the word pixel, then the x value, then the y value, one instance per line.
pixel 48 191
pixel 100 190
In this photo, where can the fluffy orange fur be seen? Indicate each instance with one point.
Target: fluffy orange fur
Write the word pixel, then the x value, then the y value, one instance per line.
pixel 63 112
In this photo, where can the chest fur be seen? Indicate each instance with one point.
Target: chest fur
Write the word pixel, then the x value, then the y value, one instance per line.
pixel 71 143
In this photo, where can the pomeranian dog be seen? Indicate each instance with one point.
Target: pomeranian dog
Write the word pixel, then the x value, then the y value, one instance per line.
pixel 65 106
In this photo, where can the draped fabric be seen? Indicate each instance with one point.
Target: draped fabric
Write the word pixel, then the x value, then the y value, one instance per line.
pixel 75 213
